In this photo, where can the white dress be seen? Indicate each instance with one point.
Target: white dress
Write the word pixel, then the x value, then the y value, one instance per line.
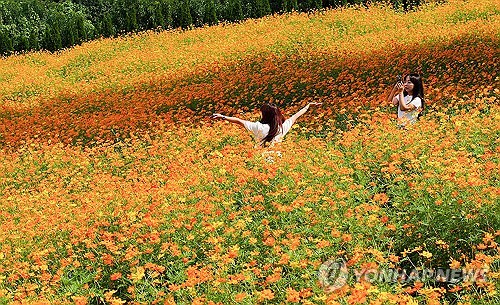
pixel 411 115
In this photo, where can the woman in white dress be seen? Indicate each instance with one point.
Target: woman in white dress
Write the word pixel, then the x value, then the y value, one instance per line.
pixel 409 96
pixel 272 127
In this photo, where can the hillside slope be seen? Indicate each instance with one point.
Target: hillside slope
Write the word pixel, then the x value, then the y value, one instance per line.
pixel 116 187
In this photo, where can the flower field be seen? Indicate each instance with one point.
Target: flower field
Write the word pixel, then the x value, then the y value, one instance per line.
pixel 117 188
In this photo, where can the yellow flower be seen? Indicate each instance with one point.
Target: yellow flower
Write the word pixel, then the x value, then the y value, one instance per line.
pixel 426 254
pixel 138 275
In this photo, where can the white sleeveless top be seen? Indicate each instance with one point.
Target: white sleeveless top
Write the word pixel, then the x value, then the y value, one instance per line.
pixel 412 115
pixel 260 131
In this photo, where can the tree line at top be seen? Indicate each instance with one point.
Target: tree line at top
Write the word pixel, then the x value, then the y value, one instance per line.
pixel 53 25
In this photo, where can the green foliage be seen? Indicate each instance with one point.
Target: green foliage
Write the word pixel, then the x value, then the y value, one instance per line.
pixel 308 5
pixel 185 19
pixel 107 28
pixel 5 41
pixel 233 10
pixel 258 8
pixel 35 24
pixel 210 16
pixel 290 5
pixel 406 5
pixel 42 24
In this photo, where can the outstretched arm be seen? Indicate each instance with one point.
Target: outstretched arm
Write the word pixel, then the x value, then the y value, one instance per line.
pixel 294 117
pixel 228 118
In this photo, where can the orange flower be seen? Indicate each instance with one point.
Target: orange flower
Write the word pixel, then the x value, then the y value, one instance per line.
pixel 239 297
pixel 454 264
pixel 107 259
pixel 115 276
pixel 381 198
pixel 357 297
pixel 285 258
pixel 346 237
pixel 169 301
pixel 292 295
pixel 108 158
pixel 80 300
pixel 266 294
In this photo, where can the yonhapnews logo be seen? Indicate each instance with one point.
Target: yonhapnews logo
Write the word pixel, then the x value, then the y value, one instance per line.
pixel 334 274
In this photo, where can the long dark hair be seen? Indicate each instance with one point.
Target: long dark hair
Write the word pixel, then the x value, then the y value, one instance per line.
pixel 272 116
pixel 418 89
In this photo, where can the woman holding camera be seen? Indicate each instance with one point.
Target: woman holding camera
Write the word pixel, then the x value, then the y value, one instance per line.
pixel 408 94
